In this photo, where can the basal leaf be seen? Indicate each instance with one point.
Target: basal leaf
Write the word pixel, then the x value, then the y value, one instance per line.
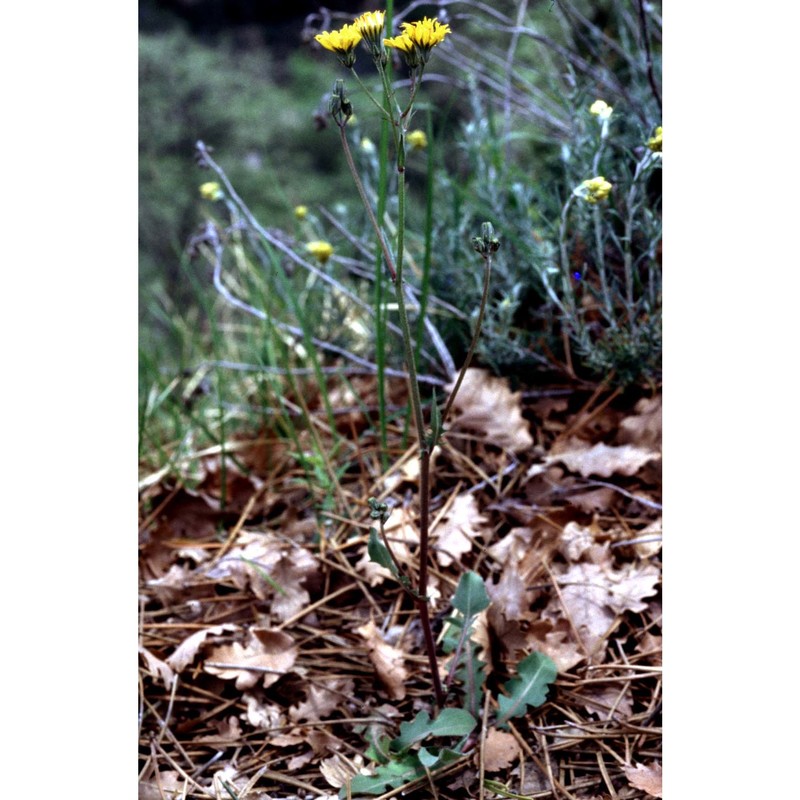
pixel 535 673
pixel 471 597
pixel 453 722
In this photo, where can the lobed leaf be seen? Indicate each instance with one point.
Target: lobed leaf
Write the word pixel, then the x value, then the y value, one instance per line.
pixel 535 673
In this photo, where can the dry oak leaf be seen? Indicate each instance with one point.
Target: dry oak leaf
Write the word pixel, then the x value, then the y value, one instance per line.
pixel 186 651
pixel 644 428
pixel 602 459
pixel 500 750
pixel 387 660
pixel 272 654
pixel 455 535
pixel 322 701
pixel 647 778
pixel 157 668
pixel 608 702
pixel 486 404
pixel 574 541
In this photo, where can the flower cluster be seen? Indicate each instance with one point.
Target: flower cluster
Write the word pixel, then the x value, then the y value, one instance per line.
pixel 415 42
pixel 418 39
pixel 594 190
pixel 342 42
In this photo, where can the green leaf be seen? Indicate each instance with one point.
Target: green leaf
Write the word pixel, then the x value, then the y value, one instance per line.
pixel 393 774
pixel 535 673
pixel 453 722
pixel 470 597
pixel 379 553
pixel 450 722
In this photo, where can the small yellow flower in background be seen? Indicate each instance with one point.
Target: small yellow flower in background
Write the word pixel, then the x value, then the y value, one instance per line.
pixel 417 139
pixel 367 145
pixel 301 212
pixel 594 190
pixel 418 39
pixel 654 143
pixel 320 250
pixel 370 26
pixel 342 42
pixel 601 109
pixel 211 191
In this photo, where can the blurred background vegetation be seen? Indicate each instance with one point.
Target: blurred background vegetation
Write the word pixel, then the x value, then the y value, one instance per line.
pixel 576 287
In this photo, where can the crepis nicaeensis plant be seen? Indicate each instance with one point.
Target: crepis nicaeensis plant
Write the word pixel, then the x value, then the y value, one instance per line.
pixel 423 744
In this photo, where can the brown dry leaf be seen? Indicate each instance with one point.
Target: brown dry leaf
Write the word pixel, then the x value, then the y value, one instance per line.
pixel 594 593
pixel 322 701
pixel 388 661
pixel 510 594
pixel 555 639
pixel 172 783
pixel 647 778
pixel 408 471
pixel 266 716
pixel 403 535
pixel 602 459
pixel 266 649
pixel 186 651
pixel 260 561
pixel 585 596
pixel 574 541
pixel 157 668
pixel 608 702
pixel 644 428
pixel 500 750
pixel 338 769
pixel 653 532
pixel 486 404
pixel 455 535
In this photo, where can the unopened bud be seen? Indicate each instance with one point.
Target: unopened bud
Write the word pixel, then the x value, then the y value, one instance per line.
pixel 487 243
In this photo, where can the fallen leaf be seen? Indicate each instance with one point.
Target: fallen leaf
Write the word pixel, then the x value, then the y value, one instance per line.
pixel 322 701
pixel 574 541
pixel 643 428
pixel 157 668
pixel 500 750
pixel 186 651
pixel 270 650
pixel 647 778
pixel 338 769
pixel 455 535
pixel 608 702
pixel 486 404
pixel 632 583
pixel 602 459
pixel 387 660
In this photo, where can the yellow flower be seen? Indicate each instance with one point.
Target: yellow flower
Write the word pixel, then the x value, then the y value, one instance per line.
pixel 417 139
pixel 370 26
pixel 301 212
pixel 367 145
pixel 320 250
pixel 594 190
pixel 418 39
pixel 601 109
pixel 654 143
pixel 210 191
pixel 342 42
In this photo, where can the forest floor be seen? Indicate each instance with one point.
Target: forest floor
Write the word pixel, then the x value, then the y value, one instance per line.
pixel 273 650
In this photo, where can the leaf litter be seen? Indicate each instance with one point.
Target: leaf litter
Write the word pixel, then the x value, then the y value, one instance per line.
pixel 273 650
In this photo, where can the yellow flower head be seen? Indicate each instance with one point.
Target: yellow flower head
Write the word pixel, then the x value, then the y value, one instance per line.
pixel 342 42
pixel 370 26
pixel 367 145
pixel 320 250
pixel 301 212
pixel 418 39
pixel 601 109
pixel 654 143
pixel 594 190
pixel 210 191
pixel 417 139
